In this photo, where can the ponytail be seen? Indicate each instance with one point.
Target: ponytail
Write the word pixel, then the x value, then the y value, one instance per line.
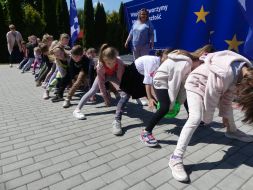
pixel 107 51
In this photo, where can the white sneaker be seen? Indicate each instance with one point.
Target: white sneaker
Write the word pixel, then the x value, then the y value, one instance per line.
pixel 46 95
pixel 177 169
pixel 239 135
pixel 44 85
pixel 66 103
pixel 78 115
pixel 116 127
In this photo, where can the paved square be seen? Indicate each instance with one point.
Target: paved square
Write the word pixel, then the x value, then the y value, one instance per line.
pixel 43 147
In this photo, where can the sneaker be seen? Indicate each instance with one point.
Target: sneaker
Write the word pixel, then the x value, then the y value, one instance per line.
pixel 33 73
pixel 148 139
pixel 78 115
pixel 66 103
pixel 116 128
pixel 177 169
pixel 22 71
pixel 44 85
pixel 10 65
pixel 57 98
pixel 46 95
pixel 239 135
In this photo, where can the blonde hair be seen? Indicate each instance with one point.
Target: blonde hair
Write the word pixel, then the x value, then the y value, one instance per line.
pixel 64 35
pixel 46 38
pixel 108 52
pixel 194 56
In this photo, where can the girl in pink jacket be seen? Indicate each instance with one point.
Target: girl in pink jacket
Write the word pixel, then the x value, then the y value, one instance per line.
pixel 209 86
pixel 169 86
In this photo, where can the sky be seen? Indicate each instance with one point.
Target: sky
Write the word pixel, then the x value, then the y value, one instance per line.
pixel 109 5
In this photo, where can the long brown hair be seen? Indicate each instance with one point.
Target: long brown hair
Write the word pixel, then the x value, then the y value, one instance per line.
pixel 245 95
pixel 197 53
pixel 107 51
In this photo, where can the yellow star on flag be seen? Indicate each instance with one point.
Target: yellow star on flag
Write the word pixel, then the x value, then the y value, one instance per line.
pixel 234 43
pixel 201 15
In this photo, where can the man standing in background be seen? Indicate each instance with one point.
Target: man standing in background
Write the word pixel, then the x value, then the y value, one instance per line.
pixel 14 39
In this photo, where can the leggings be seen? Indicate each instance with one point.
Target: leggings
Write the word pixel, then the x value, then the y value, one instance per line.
pixel 124 98
pixel 164 99
pixel 94 89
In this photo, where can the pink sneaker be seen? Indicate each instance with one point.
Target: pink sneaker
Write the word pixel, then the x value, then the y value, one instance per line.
pixel 148 139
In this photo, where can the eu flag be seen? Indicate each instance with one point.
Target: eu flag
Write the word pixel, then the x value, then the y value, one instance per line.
pixel 74 25
pixel 247 8
pixel 190 24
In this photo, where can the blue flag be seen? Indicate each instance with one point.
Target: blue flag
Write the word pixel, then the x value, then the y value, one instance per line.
pixel 247 8
pixel 74 25
pixel 190 24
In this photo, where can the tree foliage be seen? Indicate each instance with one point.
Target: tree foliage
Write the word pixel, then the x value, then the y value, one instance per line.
pixel 88 24
pixel 113 33
pixel 3 30
pixel 16 14
pixel 36 4
pixel 100 25
pixel 62 16
pixel 49 16
pixel 34 21
pixel 123 29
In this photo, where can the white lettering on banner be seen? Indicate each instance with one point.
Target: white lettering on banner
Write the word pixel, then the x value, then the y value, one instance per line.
pixel 163 8
pixel 156 17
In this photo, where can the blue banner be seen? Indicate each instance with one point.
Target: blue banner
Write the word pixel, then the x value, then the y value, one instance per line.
pixel 190 24
pixel 74 25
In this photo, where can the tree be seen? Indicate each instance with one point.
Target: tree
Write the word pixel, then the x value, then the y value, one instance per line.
pixel 49 16
pixel 16 14
pixel 88 24
pixel 80 17
pixel 113 33
pixel 34 21
pixel 100 25
pixel 123 29
pixel 36 4
pixel 3 30
pixel 62 16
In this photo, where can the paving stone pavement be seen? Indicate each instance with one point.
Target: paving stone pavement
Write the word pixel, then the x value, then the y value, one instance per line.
pixel 43 147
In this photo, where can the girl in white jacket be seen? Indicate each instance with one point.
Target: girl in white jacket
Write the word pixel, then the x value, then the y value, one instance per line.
pixel 213 85
pixel 169 86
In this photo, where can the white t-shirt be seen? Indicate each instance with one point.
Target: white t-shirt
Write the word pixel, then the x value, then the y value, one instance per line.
pixel 147 66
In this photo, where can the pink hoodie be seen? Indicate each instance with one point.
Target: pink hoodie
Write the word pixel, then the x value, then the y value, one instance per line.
pixel 213 81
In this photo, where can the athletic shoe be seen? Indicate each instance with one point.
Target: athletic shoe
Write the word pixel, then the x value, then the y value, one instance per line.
pixel 66 103
pixel 239 135
pixel 78 115
pixel 148 139
pixel 177 169
pixel 10 65
pixel 57 98
pixel 46 95
pixel 116 128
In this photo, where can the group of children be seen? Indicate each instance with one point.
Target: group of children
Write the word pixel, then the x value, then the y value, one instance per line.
pixel 202 80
